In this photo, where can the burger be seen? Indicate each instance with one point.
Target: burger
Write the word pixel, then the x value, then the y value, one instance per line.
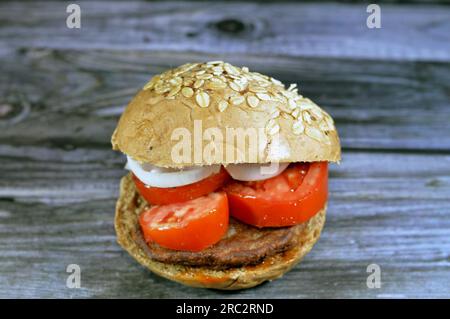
pixel 228 175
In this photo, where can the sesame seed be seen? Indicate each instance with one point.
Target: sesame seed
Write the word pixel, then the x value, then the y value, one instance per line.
pixel 198 84
pixel 274 113
pixel 292 104
pixel 304 104
pixel 263 96
pixel 296 113
pixel 236 100
pixel 174 91
pixel 217 84
pixel 217 69
pixel 252 101
pixel 307 117
pixel 187 67
pixel 149 85
pixel 188 81
pixel 216 79
pixel 187 92
pixel 242 82
pixel 176 80
pixel 323 126
pixel 257 89
pixel 275 81
pixel 230 69
pixel 234 86
pixel 316 112
pixel 206 76
pixel 162 89
pixel 284 108
pixel 330 123
pixel 289 94
pixel 202 99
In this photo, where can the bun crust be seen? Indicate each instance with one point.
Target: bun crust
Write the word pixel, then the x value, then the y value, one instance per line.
pixel 128 207
pixel 223 97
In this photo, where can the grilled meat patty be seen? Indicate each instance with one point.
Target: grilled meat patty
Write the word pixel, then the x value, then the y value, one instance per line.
pixel 242 245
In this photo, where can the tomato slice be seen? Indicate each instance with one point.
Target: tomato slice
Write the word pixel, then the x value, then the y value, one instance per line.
pixel 193 225
pixel 290 198
pixel 163 196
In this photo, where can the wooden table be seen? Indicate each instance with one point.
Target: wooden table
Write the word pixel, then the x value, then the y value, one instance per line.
pixel 62 91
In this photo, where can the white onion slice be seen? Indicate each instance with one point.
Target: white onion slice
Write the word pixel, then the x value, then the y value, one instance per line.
pixel 168 177
pixel 255 172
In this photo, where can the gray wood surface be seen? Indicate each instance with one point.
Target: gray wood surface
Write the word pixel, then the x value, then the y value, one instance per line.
pixel 378 104
pixel 338 30
pixel 61 96
pixel 388 209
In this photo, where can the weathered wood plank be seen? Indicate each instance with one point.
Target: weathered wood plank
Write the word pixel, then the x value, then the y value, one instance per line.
pixel 389 209
pixel 52 176
pixel 60 101
pixel 67 98
pixel 319 30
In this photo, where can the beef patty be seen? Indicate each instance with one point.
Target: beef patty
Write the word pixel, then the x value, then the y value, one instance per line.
pixel 242 245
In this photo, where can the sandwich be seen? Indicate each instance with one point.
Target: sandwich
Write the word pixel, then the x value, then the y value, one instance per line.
pixel 227 182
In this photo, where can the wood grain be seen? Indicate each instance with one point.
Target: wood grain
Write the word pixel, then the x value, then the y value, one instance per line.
pixel 74 97
pixel 394 214
pixel 61 92
pixel 293 29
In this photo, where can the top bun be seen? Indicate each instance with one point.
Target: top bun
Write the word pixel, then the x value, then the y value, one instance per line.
pixel 227 106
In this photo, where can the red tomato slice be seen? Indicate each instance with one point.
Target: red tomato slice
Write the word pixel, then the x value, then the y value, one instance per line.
pixel 290 198
pixel 163 196
pixel 193 225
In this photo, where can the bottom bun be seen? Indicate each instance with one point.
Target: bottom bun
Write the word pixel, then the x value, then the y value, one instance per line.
pixel 128 208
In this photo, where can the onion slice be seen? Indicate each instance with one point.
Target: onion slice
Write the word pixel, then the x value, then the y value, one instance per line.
pixel 168 177
pixel 255 172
